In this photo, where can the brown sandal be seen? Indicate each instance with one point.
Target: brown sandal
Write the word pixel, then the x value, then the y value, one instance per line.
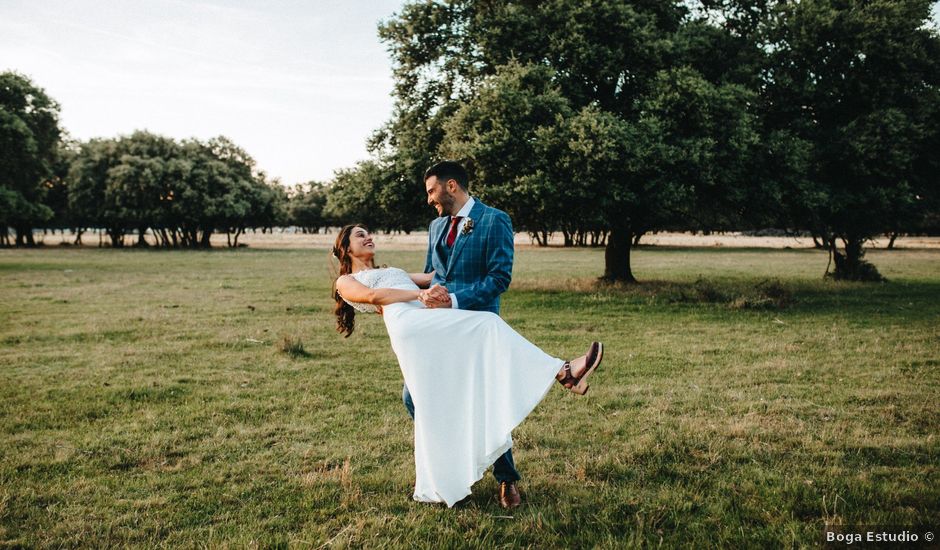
pixel 592 360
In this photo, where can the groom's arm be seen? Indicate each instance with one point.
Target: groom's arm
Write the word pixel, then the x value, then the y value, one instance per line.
pixel 498 267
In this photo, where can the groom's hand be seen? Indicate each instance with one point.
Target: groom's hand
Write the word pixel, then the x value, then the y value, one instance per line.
pixel 436 296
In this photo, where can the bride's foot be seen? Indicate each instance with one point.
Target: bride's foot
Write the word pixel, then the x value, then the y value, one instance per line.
pixel 573 375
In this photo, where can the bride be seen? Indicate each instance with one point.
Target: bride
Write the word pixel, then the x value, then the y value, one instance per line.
pixel 472 377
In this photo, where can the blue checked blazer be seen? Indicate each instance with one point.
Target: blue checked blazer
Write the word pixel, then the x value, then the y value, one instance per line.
pixel 479 267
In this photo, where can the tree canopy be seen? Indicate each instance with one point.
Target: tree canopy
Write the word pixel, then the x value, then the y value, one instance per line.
pixel 182 191
pixel 858 84
pixel 579 116
pixel 29 142
pixel 625 117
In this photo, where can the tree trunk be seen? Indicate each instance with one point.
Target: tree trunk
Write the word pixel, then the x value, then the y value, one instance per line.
pixel 824 240
pixel 4 235
pixel 117 237
pixel 238 233
pixel 617 257
pixel 637 237
pixel 853 252
pixel 891 238
pixel 141 237
pixel 850 265
pixel 206 235
pixel 24 236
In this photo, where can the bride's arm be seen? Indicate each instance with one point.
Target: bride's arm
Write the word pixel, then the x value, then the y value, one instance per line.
pixel 354 291
pixel 423 280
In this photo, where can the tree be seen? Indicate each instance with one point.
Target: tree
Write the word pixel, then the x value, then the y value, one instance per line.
pixel 507 133
pixel 121 184
pixel 376 194
pixel 306 206
pixel 857 82
pixel 87 184
pixel 236 196
pixel 352 195
pixel 471 81
pixel 29 142
pixel 55 195
pixel 138 182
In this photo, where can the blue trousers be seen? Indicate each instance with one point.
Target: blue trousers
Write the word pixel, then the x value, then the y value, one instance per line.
pixel 504 469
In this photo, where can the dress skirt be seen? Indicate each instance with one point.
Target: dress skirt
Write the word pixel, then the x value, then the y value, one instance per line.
pixel 473 379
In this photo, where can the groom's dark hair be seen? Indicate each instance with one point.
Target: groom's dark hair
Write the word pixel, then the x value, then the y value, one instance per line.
pixel 449 170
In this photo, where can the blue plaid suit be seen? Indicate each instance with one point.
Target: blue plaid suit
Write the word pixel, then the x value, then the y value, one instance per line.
pixel 476 270
pixel 479 268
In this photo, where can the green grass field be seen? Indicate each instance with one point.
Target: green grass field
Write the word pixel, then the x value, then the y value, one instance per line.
pixel 743 402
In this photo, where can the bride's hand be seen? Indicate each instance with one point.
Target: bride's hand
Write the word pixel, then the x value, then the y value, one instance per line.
pixel 436 296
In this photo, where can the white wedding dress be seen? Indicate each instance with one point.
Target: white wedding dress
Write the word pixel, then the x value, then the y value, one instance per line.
pixel 472 378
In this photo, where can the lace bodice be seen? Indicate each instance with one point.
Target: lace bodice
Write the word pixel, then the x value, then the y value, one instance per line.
pixel 386 277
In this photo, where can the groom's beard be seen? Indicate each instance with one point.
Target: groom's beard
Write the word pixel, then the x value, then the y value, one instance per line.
pixel 447 204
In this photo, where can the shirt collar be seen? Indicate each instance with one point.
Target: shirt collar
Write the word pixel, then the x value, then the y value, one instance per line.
pixel 465 211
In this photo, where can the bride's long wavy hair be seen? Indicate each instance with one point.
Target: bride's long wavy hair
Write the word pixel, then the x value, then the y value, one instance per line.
pixel 345 313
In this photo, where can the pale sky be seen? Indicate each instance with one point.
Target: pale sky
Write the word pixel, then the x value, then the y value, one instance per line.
pixel 300 85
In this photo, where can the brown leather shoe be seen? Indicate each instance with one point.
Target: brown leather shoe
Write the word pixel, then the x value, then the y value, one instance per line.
pixel 509 495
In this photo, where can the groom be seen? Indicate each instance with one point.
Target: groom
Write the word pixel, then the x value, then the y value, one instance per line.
pixel 470 248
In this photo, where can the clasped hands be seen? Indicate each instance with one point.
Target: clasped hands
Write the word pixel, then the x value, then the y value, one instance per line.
pixel 436 296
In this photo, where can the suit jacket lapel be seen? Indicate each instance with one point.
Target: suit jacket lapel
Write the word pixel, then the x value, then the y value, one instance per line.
pixel 475 214
pixel 437 231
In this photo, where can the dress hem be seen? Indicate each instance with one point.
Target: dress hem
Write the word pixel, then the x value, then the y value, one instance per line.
pixel 481 470
pixel 488 460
